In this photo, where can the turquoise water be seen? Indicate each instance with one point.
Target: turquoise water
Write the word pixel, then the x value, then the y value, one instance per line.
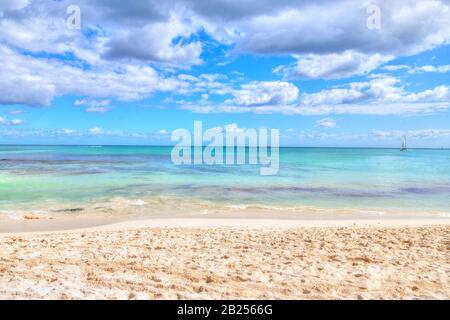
pixel 343 178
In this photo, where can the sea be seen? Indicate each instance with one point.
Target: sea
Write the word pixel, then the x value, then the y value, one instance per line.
pixel 143 180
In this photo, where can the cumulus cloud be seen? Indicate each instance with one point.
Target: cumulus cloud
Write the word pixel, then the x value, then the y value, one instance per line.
pixel 11 5
pixel 260 93
pixel 336 26
pixel 326 123
pixel 378 135
pixel 71 133
pixel 429 68
pixel 204 83
pixel 92 102
pixel 423 134
pixel 95 131
pixel 332 66
pixel 154 42
pixel 129 51
pixel 96 109
pixel 144 31
pixel 16 111
pixel 90 62
pixel 35 82
pixel 380 95
pixel 13 122
pixel 94 106
pixel 388 89
pixel 336 30
pixel 395 67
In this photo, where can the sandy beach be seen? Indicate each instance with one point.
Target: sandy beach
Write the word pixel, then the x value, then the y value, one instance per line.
pixel 230 259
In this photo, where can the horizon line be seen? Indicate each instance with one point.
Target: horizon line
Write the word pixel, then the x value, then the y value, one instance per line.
pixel 145 145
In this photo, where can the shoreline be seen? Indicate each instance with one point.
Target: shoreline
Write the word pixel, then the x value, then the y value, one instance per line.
pixel 122 223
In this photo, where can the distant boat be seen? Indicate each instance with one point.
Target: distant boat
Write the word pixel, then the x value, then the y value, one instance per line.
pixel 403 148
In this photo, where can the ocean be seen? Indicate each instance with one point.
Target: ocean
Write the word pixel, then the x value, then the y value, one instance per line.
pixel 311 182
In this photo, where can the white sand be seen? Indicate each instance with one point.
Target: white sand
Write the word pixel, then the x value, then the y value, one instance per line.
pixel 229 259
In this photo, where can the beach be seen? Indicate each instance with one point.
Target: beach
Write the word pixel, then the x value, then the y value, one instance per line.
pixel 225 150
pixel 230 259
pixel 124 222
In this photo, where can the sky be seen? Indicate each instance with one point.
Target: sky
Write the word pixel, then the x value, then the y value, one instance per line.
pixel 330 73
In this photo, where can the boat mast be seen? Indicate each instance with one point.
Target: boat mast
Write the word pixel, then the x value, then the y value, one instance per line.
pixel 403 148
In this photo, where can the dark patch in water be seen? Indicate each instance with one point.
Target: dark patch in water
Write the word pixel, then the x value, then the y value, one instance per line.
pixel 322 190
pixel 433 190
pixel 87 172
pixel 416 190
pixel 69 210
pixel 64 161
pixel 362 194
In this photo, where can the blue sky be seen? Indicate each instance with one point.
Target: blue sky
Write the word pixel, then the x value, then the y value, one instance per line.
pixel 134 73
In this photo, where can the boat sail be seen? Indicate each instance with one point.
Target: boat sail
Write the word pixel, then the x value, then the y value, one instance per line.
pixel 403 148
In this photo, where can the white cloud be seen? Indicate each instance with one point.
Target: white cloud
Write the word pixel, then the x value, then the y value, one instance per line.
pixel 72 133
pixel 429 68
pixel 333 66
pixel 16 122
pixel 154 42
pixel 13 122
pixel 208 83
pixel 337 26
pixel 422 134
pixel 331 40
pixel 380 95
pixel 96 109
pixel 326 123
pixel 332 96
pixel 16 111
pixel 396 67
pixel 259 93
pixel 145 31
pixel 92 103
pixel 32 81
pixel 233 128
pixel 68 131
pixel 94 106
pixel 128 51
pixel 95 131
pixel 11 5
pixel 378 135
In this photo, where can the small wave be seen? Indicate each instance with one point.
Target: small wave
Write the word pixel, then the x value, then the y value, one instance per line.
pixel 237 206
pixel 373 212
pixel 444 214
pixel 271 207
pixel 12 216
pixel 137 202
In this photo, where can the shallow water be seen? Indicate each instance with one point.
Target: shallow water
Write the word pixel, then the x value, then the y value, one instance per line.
pixel 70 179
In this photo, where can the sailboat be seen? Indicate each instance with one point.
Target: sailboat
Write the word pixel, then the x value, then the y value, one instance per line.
pixel 403 148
